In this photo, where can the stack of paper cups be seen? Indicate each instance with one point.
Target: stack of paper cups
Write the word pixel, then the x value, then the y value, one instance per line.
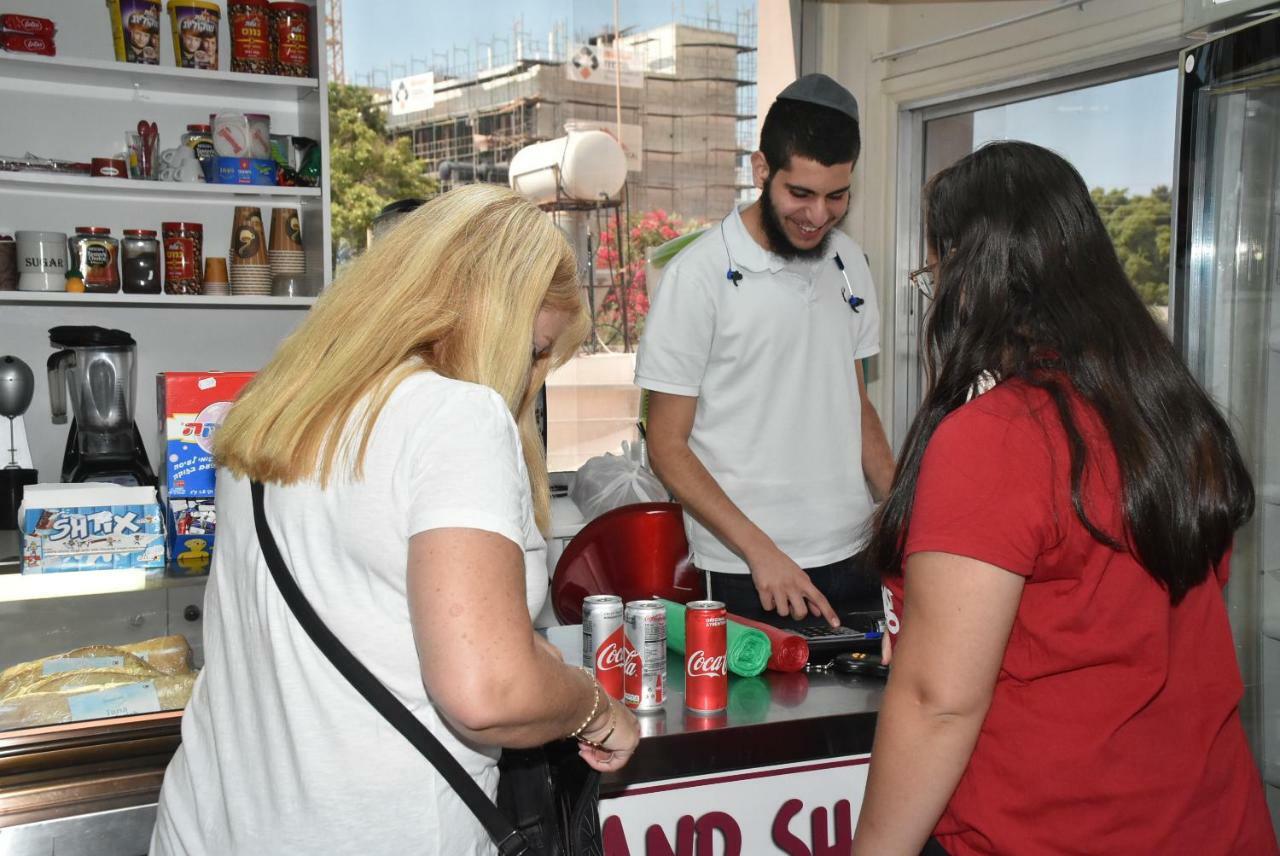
pixel 287 256
pixel 215 277
pixel 250 268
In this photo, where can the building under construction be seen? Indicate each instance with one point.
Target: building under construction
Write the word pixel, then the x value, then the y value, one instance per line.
pixel 692 99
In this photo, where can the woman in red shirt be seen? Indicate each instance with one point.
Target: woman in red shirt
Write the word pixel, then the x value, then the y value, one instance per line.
pixel 1057 538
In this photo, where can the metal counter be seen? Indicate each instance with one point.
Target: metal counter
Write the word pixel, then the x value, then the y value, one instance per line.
pixel 773 718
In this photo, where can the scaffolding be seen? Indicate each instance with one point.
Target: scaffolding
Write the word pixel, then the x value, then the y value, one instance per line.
pixel 695 114
pixel 695 111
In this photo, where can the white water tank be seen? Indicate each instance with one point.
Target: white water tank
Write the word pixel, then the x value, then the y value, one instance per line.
pixel 590 164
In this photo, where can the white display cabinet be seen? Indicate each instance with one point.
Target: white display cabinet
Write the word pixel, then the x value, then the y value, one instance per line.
pixel 79 105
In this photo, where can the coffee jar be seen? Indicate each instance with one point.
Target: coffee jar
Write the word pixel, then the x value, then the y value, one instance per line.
pixel 96 254
pixel 183 257
pixel 292 38
pixel 8 262
pixel 140 262
pixel 250 24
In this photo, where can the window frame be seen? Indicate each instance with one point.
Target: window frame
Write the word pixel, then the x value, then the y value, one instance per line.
pixel 908 246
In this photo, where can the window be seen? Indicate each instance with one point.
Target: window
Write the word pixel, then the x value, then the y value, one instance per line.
pixel 1119 134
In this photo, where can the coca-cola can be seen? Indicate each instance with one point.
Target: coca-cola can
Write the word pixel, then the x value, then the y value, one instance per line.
pixel 706 641
pixel 603 647
pixel 644 673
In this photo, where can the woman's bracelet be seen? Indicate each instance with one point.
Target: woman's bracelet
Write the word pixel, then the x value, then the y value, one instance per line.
pixel 595 706
pixel 599 744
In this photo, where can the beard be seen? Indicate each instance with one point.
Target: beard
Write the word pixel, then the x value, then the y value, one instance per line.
pixel 779 243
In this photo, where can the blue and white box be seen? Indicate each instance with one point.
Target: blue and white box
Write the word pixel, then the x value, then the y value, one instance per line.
pixel 90 527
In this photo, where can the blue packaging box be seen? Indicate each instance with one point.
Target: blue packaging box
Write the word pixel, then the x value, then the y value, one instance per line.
pixel 259 171
pixel 192 525
pixel 90 527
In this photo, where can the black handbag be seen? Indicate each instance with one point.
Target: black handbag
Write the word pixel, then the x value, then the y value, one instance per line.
pixel 548 798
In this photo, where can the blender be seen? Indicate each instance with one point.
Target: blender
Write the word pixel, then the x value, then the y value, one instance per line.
pixel 98 368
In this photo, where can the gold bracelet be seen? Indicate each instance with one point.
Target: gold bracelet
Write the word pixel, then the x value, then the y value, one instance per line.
pixel 599 744
pixel 595 706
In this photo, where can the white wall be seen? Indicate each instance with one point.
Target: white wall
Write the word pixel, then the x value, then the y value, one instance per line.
pixel 853 35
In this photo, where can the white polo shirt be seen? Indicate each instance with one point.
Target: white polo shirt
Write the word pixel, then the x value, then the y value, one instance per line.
pixel 772 364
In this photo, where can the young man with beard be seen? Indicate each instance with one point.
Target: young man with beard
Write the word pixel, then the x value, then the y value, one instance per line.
pixel 759 421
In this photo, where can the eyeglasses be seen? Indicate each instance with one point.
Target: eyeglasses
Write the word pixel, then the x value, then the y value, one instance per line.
pixel 922 280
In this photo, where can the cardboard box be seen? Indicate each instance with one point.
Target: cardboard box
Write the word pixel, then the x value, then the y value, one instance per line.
pixel 90 527
pixel 192 524
pixel 191 406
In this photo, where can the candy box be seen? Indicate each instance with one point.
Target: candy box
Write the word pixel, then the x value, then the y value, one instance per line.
pixel 192 523
pixel 191 406
pixel 260 171
pixel 90 527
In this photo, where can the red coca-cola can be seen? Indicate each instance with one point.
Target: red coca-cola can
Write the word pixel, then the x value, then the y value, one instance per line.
pixel 603 647
pixel 706 671
pixel 644 672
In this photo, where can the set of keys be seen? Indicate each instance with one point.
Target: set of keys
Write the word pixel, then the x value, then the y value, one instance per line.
pixel 852 663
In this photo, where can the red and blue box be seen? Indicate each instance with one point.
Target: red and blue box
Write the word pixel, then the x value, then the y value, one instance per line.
pixel 191 407
pixel 253 171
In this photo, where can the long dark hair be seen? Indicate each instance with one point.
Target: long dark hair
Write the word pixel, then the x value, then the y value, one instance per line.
pixel 1029 287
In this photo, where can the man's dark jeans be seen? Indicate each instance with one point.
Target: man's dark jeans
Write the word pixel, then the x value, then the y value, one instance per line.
pixel 848 584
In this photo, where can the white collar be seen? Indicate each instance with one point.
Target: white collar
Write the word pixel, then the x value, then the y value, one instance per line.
pixel 748 255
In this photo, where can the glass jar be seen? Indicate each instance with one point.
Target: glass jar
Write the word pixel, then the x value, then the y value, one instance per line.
pixel 199 138
pixel 293 38
pixel 250 24
pixel 140 262
pixel 183 257
pixel 96 255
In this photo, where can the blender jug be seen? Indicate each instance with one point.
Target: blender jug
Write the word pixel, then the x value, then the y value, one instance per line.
pixel 98 369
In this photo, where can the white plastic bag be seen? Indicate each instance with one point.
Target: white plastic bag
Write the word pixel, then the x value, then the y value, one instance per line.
pixel 608 481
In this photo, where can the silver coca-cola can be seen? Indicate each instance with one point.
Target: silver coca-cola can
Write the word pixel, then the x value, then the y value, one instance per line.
pixel 644 673
pixel 603 646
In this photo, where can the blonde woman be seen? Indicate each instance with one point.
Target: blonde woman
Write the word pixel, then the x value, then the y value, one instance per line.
pixel 406 487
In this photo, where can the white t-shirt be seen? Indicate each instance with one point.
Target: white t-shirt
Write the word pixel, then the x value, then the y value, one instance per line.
pixel 279 753
pixel 772 363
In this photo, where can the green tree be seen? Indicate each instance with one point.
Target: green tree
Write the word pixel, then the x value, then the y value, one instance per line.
pixel 368 168
pixel 1141 230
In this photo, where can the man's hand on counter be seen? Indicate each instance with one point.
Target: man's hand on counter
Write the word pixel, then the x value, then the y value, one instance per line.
pixel 617 736
pixel 785 588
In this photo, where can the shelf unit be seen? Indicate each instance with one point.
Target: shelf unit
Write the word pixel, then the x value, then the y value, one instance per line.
pixel 116 188
pixel 202 301
pixel 78 105
pixel 109 74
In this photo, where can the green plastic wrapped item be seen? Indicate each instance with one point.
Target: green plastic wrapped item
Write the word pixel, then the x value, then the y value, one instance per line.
pixel 749 649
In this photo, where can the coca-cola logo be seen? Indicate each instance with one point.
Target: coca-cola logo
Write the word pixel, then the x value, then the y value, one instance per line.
pixel 631 662
pixel 611 655
pixel 699 665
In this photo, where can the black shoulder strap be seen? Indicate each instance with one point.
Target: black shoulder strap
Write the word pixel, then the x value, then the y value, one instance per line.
pixel 509 841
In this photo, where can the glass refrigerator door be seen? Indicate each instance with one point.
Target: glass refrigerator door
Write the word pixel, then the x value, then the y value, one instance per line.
pixel 1227 322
